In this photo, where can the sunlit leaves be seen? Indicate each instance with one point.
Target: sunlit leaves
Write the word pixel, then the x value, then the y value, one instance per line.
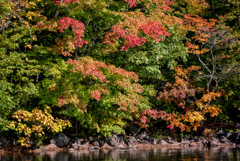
pixel 35 124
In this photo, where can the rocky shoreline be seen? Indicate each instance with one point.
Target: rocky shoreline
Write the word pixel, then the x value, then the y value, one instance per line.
pixel 63 143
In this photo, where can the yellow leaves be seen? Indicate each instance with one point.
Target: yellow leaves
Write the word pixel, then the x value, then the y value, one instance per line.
pixel 96 126
pixel 34 38
pixel 210 96
pixel 193 116
pixel 36 123
pixel 213 110
pixel 199 104
pixel 30 4
pixel 27 45
pixel 30 14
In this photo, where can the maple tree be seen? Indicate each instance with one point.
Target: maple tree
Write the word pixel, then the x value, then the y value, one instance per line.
pixel 104 102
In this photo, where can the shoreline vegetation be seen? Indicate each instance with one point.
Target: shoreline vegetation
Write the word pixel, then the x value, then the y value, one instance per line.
pixel 106 68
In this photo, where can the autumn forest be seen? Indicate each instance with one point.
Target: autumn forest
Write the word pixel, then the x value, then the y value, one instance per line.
pixel 101 67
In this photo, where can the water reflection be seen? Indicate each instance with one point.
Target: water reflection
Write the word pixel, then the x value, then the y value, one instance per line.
pixel 160 154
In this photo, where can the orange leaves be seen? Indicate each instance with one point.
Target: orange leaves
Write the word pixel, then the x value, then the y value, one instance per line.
pixel 210 96
pixel 68 98
pixel 184 73
pixel 202 29
pixel 163 4
pixel 88 67
pixel 184 95
pixel 198 24
pixel 213 110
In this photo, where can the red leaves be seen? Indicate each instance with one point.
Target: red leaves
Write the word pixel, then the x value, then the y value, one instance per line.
pixel 132 3
pixel 88 67
pixel 132 41
pixel 96 94
pixel 152 29
pixel 154 114
pixel 170 127
pixel 77 28
pixel 61 101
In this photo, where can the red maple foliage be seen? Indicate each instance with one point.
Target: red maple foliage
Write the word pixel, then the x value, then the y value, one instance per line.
pixel 152 113
pixel 89 68
pixel 77 28
pixel 132 3
pixel 96 94
pixel 153 29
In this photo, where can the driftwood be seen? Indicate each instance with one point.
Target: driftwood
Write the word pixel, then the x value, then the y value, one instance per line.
pixel 223 125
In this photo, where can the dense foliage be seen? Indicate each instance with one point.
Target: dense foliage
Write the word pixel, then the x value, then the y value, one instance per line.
pixel 103 65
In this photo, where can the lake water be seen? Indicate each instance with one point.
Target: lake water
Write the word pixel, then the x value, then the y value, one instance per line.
pixel 159 154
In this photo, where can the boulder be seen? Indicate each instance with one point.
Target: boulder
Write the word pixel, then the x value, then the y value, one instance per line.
pixel 71 150
pixel 83 146
pixel 193 144
pixel 4 142
pixel 152 141
pixel 143 136
pixel 234 137
pixel 95 143
pixel 162 142
pixel 75 146
pixel 115 139
pixel 61 140
pixel 131 140
pixel 144 142
pixel 213 143
pixel 121 146
pixel 91 147
pixel 101 142
pixel 223 139
pixel 51 147
pixel 169 139
pixel 106 146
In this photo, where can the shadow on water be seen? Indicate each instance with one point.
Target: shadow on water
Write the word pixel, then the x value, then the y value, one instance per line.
pixel 159 154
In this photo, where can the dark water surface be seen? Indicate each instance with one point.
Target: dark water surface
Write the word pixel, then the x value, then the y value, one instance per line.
pixel 159 154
